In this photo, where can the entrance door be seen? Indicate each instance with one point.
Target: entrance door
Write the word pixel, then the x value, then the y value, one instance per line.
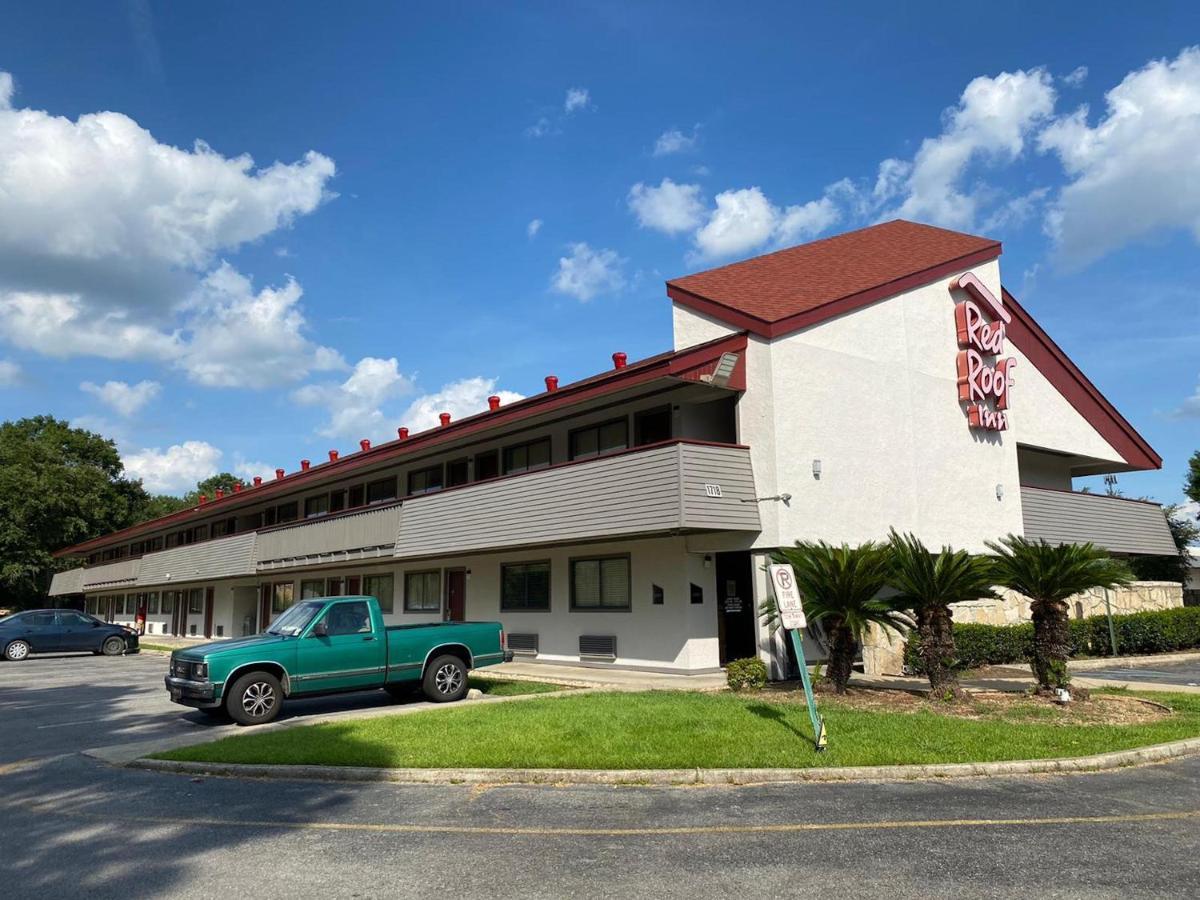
pixel 736 619
pixel 208 611
pixel 456 595
pixel 264 608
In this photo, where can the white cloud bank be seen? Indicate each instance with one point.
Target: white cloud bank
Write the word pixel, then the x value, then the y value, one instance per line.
pixel 355 404
pixel 587 272
pixel 174 470
pixel 674 141
pixel 125 398
pixel 577 98
pixel 106 235
pixel 670 208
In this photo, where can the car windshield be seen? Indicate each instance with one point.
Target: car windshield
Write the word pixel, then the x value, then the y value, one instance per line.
pixel 292 621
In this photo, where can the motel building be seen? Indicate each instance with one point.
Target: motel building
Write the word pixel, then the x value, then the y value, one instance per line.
pixel 879 378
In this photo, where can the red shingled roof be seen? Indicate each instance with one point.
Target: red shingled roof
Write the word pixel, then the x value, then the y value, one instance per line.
pixel 790 289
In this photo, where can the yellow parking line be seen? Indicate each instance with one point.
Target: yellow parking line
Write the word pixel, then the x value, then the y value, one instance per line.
pixel 549 831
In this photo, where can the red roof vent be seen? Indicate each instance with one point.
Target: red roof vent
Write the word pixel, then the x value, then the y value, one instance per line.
pixel 304 464
pixel 444 418
pixel 220 493
pixel 364 444
pixel 333 455
pixel 237 487
pixel 402 433
pixel 551 383
pixel 258 481
pixel 203 499
pixel 619 360
pixel 279 473
pixel 493 403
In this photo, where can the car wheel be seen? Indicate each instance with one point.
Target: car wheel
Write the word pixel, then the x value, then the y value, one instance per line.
pixel 16 651
pixel 113 646
pixel 445 680
pixel 254 699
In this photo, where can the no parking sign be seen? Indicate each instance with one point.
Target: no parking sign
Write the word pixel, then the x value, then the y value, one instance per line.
pixel 787 596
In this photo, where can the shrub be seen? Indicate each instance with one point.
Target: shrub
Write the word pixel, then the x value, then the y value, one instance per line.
pixel 746 673
pixel 1154 631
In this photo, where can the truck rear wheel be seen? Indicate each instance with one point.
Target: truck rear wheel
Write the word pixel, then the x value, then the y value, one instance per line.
pixel 254 699
pixel 445 680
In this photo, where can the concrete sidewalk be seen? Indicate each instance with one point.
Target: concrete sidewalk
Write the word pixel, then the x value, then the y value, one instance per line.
pixel 613 679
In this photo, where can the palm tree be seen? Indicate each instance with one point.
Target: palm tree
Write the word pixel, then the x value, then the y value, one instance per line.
pixel 928 583
pixel 840 586
pixel 1048 575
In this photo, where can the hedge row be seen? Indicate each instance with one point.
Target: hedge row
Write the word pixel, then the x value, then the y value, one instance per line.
pixel 1156 631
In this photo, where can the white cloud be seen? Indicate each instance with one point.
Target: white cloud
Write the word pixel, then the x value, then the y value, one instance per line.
pixel 105 232
pixel 577 98
pixel 587 272
pixel 1076 76
pixel 1190 408
pixel 1136 173
pixel 534 226
pixel 744 220
pixel 10 372
pixel 237 338
pixel 670 208
pixel 459 398
pixel 176 469
pixel 542 127
pixel 126 399
pixel 991 122
pixel 675 141
pixel 355 404
pixel 247 469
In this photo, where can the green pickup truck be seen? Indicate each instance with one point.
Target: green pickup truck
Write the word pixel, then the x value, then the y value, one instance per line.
pixel 329 646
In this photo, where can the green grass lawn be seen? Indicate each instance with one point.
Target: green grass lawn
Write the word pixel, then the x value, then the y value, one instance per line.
pixel 667 730
pixel 498 687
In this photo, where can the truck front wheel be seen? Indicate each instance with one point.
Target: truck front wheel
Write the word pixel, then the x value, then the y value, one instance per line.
pixel 254 699
pixel 445 680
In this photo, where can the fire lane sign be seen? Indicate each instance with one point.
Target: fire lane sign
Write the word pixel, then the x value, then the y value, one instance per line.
pixel 787 596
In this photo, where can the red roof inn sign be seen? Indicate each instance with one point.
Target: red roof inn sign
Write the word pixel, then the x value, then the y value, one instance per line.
pixel 984 380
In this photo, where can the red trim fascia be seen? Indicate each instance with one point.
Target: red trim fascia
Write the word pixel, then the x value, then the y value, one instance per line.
pixel 1033 487
pixel 829 310
pixel 1075 387
pixel 666 365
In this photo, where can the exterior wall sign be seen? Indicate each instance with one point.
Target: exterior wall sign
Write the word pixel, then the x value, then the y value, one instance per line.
pixel 787 596
pixel 984 380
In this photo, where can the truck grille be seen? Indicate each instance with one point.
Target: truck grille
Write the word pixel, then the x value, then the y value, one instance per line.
pixel 180 668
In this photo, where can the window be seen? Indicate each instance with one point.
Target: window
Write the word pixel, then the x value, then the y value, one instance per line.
pixel 195 601
pixel 487 465
pixel 72 619
pixel 287 512
pixel 382 490
pixel 381 588
pixel 38 620
pixel 652 426
pixel 137 548
pixel 199 533
pixel 525 587
pixel 356 496
pixel 316 506
pixel 224 527
pixel 337 501
pixel 152 604
pixel 423 592
pixel 596 440
pixel 349 618
pixel 456 472
pixel 335 587
pixel 601 583
pixel 424 481
pixel 154 544
pixel 130 604
pixel 268 517
pixel 312 589
pixel 283 595
pixel 527 457
pixel 168 603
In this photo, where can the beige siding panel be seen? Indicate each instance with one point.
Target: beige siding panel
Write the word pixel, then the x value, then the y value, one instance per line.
pixel 1121 526
pixel 113 574
pixel 220 558
pixel 68 582
pixel 630 494
pixel 354 531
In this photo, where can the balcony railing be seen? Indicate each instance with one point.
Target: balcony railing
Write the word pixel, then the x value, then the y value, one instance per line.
pixel 361 534
pixel 1114 523
pixel 661 489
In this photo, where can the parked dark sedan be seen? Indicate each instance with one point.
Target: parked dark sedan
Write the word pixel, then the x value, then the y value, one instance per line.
pixel 62 630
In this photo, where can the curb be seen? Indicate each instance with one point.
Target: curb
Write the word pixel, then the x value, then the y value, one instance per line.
pixel 1095 763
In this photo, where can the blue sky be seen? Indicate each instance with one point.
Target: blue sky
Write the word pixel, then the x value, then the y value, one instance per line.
pixel 456 200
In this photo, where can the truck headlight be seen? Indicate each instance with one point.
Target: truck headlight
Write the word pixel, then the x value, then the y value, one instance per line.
pixel 200 670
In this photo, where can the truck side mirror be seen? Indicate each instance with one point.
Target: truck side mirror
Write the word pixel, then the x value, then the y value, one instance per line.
pixel 321 629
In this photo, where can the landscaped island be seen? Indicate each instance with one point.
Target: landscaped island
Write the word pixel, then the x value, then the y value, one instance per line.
pixel 767 729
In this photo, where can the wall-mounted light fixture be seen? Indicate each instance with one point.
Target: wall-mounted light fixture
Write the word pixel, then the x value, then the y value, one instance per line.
pixel 816 468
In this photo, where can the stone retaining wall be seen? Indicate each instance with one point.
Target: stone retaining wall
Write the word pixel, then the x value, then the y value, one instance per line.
pixel 883 652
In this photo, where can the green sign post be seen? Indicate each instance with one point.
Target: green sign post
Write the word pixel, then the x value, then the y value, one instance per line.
pixel 791 615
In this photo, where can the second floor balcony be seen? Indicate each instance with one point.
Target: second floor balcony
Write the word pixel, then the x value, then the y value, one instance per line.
pixel 1118 524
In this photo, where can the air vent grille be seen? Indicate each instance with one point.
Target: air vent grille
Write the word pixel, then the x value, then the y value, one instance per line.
pixel 523 643
pixel 603 646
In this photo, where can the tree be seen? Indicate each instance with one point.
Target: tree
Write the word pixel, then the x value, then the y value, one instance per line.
pixel 58 486
pixel 209 486
pixel 840 586
pixel 1048 575
pixel 1191 481
pixel 1185 533
pixel 927 583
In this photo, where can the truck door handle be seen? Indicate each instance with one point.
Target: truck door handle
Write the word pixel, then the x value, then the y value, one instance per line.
pixel 369 637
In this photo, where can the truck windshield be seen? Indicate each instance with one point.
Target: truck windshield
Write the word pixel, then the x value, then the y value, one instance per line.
pixel 292 621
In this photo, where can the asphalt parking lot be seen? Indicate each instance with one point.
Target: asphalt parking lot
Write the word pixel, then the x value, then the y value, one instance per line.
pixel 1184 674
pixel 63 703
